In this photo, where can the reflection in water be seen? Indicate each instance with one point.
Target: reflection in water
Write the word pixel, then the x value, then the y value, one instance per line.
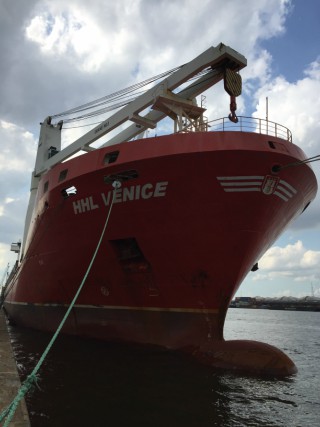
pixel 87 382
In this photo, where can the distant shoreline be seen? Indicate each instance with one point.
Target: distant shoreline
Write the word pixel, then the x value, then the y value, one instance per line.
pixel 284 303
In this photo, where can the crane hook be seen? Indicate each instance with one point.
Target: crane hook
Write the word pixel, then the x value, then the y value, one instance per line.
pixel 233 106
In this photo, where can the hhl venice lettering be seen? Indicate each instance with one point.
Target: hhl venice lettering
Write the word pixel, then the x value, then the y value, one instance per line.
pixel 121 195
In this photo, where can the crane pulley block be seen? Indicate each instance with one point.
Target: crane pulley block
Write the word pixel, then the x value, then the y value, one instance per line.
pixel 232 82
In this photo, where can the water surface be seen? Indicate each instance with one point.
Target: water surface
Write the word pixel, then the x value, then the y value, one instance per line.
pixel 92 383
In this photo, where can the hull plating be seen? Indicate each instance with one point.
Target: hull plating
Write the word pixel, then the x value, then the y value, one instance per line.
pixel 195 212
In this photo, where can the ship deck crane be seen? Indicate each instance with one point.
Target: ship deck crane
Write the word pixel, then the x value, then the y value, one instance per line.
pixel 180 106
pixel 164 101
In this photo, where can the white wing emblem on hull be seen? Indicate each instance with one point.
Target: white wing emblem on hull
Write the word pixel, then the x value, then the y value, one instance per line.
pixel 267 185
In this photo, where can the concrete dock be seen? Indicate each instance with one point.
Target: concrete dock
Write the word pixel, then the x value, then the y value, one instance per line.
pixel 9 378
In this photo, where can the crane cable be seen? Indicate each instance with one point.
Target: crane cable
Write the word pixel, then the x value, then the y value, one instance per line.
pixel 119 99
pixel 114 95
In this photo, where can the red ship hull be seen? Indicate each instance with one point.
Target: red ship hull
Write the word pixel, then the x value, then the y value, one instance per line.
pixel 194 214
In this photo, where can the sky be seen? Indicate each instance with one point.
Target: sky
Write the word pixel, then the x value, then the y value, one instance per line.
pixel 56 55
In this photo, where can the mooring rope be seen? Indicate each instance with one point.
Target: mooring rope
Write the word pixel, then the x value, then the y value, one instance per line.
pixel 32 379
pixel 278 168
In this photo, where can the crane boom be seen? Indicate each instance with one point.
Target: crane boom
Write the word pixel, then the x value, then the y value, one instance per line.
pixel 218 58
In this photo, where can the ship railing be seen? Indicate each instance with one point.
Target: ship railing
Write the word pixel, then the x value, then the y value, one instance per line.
pixel 251 124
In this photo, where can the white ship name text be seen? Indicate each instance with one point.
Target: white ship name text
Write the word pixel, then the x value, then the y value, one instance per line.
pixel 121 195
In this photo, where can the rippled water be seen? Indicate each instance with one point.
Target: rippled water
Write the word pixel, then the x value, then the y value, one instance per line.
pixel 91 383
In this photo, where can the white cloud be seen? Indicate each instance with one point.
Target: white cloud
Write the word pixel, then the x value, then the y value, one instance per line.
pixel 292 261
pixel 295 105
pixel 151 34
pixel 70 31
pixel 6 201
pixel 18 149
pixel 69 53
pixel 71 35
